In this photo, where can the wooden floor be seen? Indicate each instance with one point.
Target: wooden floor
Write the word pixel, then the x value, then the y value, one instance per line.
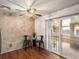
pixel 30 53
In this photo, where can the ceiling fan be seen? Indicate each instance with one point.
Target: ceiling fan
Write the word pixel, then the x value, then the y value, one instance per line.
pixel 29 11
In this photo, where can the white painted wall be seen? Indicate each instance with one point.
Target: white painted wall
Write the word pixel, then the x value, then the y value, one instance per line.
pixel 40 27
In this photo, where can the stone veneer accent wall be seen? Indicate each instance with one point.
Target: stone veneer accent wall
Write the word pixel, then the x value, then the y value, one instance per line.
pixel 13 28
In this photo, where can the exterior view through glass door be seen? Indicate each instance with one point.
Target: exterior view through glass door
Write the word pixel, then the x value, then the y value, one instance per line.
pixel 62 36
pixel 54 36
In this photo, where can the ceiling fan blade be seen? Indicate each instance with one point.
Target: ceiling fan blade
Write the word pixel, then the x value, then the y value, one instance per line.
pixel 18 10
pixel 30 3
pixel 16 4
pixel 3 6
pixel 44 12
pixel 38 14
pixel 15 13
pixel 34 1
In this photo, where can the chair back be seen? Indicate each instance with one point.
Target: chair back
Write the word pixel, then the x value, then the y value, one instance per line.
pixel 40 37
pixel 27 37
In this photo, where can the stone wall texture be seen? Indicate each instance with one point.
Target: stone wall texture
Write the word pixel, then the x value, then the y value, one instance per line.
pixel 13 28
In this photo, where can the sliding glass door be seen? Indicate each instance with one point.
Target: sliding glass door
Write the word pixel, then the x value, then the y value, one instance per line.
pixel 54 35
pixel 63 36
pixel 70 42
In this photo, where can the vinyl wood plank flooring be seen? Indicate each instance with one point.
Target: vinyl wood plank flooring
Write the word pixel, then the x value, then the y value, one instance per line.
pixel 30 53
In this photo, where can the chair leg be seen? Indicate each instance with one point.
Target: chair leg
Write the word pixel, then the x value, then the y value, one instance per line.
pixel 39 46
pixel 43 44
pixel 31 44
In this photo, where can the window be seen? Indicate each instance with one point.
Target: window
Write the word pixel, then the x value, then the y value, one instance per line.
pixel 76 31
pixel 66 26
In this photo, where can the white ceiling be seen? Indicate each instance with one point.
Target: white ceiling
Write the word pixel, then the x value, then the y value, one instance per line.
pixel 47 6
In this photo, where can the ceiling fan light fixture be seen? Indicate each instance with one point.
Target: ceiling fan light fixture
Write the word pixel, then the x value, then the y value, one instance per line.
pixel 32 13
pixel 29 14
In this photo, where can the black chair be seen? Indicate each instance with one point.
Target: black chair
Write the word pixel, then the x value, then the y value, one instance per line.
pixel 27 41
pixel 40 41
